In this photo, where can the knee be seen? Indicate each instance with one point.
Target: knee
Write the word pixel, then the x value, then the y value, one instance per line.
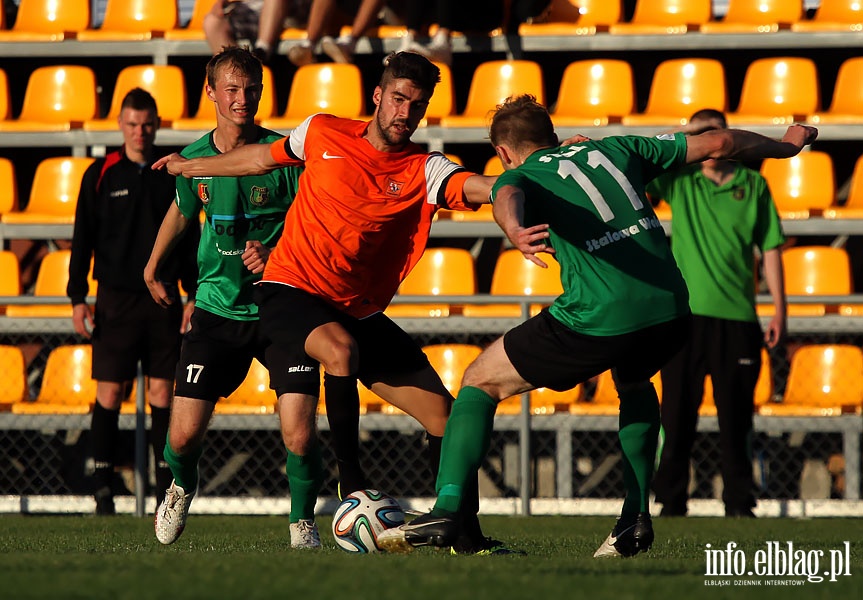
pixel 298 440
pixel 160 392
pixel 342 357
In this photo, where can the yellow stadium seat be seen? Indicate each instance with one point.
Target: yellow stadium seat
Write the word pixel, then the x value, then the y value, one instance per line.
pixel 778 91
pixel 166 83
pixel 853 207
pixel 194 30
pixel 5 104
pixel 54 193
pixel 133 21
pixel 662 210
pixel 331 88
pixel 14 376
pixel 492 83
pixel 48 21
pixel 575 17
pixel 442 103
pixel 679 88
pixel 801 186
pixel 440 271
pixel 594 93
pixel 605 400
pixel 51 280
pixel 847 103
pixel 450 361
pixel 8 187
pixel 661 17
pixel 67 387
pixel 514 275
pixel 493 166
pixel 823 380
pixel 757 16
pixel 57 98
pixel 253 397
pixel 834 15
pixel 814 271
pixel 205 117
pixel 10 276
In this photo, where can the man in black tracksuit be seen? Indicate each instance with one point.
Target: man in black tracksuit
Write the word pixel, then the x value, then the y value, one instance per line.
pixel 120 208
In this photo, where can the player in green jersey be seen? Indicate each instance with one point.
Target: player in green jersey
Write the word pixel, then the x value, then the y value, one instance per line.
pixel 244 219
pixel 624 305
pixel 721 212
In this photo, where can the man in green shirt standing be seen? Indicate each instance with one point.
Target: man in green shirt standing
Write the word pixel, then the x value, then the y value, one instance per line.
pixel 721 212
pixel 244 219
pixel 624 305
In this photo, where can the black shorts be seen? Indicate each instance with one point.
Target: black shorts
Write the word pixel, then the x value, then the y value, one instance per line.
pixel 128 327
pixel 289 315
pixel 216 356
pixel 547 353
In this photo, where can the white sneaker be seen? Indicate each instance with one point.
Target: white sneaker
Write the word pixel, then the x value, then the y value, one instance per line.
pixel 301 55
pixel 441 53
pixel 304 534
pixel 340 50
pixel 171 514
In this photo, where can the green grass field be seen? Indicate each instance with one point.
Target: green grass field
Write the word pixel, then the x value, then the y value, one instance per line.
pixel 62 557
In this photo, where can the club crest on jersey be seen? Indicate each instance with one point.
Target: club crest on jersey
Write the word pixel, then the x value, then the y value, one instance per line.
pixel 394 188
pixel 204 192
pixel 259 195
pixel 739 193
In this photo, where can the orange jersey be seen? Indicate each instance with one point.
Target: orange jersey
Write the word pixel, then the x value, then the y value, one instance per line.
pixel 361 218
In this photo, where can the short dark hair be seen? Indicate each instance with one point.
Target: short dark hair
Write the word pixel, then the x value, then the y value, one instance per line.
pixel 410 65
pixel 706 114
pixel 240 59
pixel 139 99
pixel 522 121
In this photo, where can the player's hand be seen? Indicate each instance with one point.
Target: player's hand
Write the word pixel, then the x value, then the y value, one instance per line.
pixel 186 323
pixel 775 331
pixel 532 240
pixel 157 288
pixel 82 319
pixel 255 256
pixel 576 139
pixel 173 163
pixel 800 135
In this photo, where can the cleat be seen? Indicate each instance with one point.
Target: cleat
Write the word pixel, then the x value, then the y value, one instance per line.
pixel 172 513
pixel 484 547
pixel 629 537
pixel 426 530
pixel 304 534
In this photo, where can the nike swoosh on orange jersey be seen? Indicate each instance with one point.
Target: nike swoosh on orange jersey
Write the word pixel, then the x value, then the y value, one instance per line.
pixel 329 156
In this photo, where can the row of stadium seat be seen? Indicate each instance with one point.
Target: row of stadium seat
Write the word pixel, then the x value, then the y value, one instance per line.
pixel 141 20
pixel 802 187
pixel 809 271
pixel 595 92
pixel 823 380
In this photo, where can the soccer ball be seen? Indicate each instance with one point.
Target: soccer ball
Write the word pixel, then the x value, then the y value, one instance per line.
pixel 361 517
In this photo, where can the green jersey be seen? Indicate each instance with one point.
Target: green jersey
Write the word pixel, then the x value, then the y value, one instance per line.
pixel 616 268
pixel 714 231
pixel 237 209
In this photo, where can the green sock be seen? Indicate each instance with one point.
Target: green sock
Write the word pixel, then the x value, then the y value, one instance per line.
pixel 638 431
pixel 465 443
pixel 184 467
pixel 305 476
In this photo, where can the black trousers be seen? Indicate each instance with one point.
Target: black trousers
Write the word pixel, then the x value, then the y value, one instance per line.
pixel 730 352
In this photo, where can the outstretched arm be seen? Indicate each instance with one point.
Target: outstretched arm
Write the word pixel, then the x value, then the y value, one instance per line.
pixel 251 159
pixel 508 210
pixel 739 144
pixel 172 228
pixel 477 188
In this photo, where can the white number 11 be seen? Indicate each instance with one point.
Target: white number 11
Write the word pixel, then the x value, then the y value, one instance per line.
pixel 595 159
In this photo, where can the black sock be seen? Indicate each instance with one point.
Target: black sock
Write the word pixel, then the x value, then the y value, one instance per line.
pixel 343 413
pixel 159 418
pixel 103 439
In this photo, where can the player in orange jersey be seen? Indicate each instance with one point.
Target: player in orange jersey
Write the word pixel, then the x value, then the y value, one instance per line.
pixel 358 225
